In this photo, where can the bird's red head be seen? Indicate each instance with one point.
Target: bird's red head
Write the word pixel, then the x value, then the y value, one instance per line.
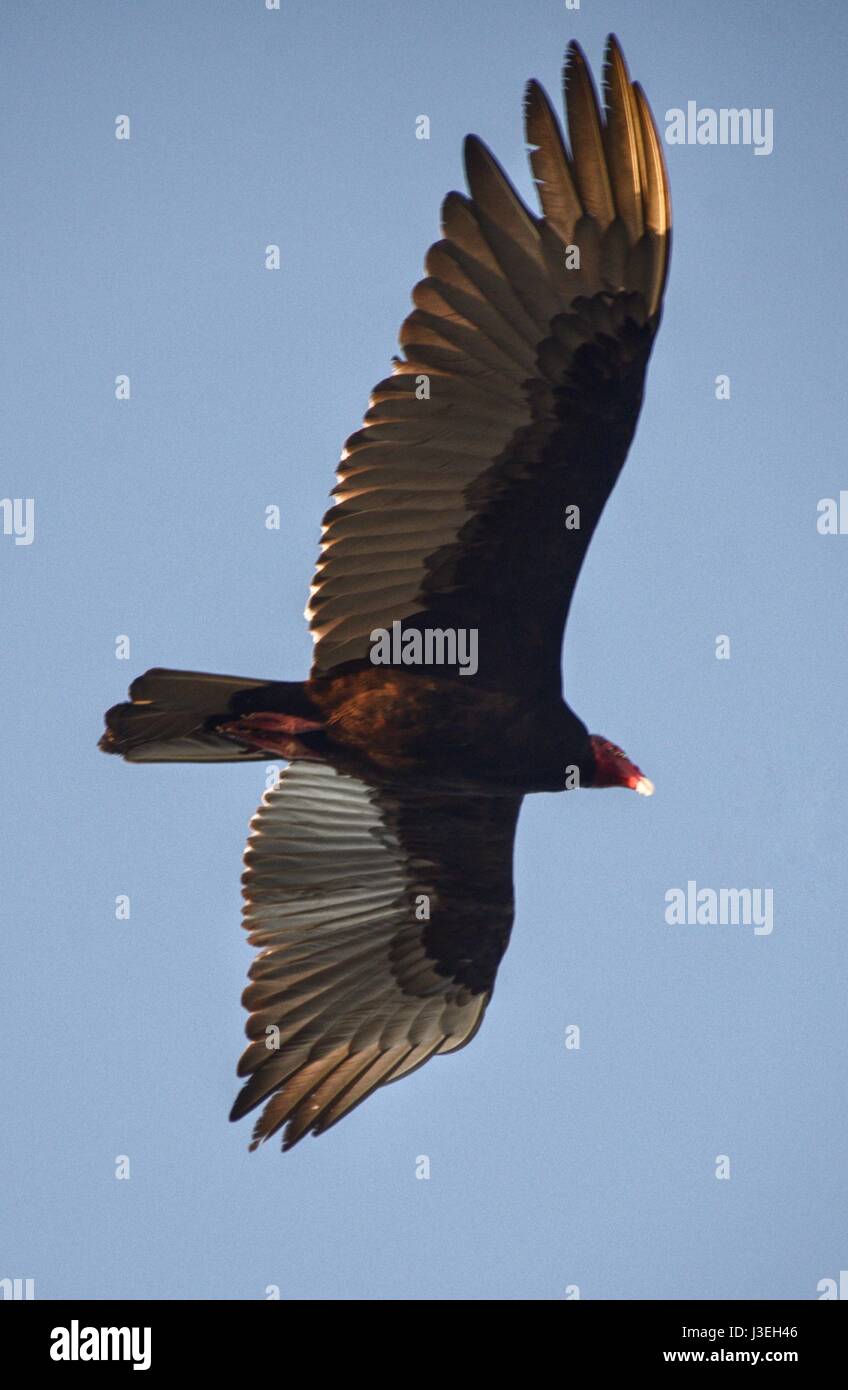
pixel 613 768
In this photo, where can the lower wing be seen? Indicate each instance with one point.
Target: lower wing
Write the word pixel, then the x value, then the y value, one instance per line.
pixel 381 919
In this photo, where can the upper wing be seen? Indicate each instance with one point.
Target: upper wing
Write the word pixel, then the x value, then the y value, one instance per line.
pixel 517 397
pixel 382 921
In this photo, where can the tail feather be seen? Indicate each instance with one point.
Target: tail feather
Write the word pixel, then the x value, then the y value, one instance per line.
pixel 172 716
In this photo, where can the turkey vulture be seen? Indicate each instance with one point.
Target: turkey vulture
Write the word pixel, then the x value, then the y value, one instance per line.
pixel 378 877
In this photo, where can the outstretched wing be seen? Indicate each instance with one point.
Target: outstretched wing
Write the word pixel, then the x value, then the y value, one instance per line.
pixel 381 922
pixel 516 399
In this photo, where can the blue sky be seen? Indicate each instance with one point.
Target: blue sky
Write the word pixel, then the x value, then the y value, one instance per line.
pixel 550 1167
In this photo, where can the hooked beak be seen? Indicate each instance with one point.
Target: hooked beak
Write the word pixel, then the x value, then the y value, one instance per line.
pixel 641 784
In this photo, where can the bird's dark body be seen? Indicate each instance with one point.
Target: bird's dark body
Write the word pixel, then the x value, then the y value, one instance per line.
pixel 443 735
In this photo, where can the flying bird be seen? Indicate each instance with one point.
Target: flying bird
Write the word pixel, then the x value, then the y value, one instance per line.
pixel 378 871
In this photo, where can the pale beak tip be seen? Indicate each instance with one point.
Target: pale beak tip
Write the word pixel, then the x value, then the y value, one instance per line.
pixel 644 786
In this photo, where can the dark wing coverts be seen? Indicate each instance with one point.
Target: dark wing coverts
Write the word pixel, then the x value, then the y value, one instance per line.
pixel 450 508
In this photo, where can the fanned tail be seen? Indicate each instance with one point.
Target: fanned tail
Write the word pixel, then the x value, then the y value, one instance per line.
pixel 173 716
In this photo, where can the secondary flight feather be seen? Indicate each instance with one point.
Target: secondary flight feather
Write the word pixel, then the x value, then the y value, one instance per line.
pixel 378 879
